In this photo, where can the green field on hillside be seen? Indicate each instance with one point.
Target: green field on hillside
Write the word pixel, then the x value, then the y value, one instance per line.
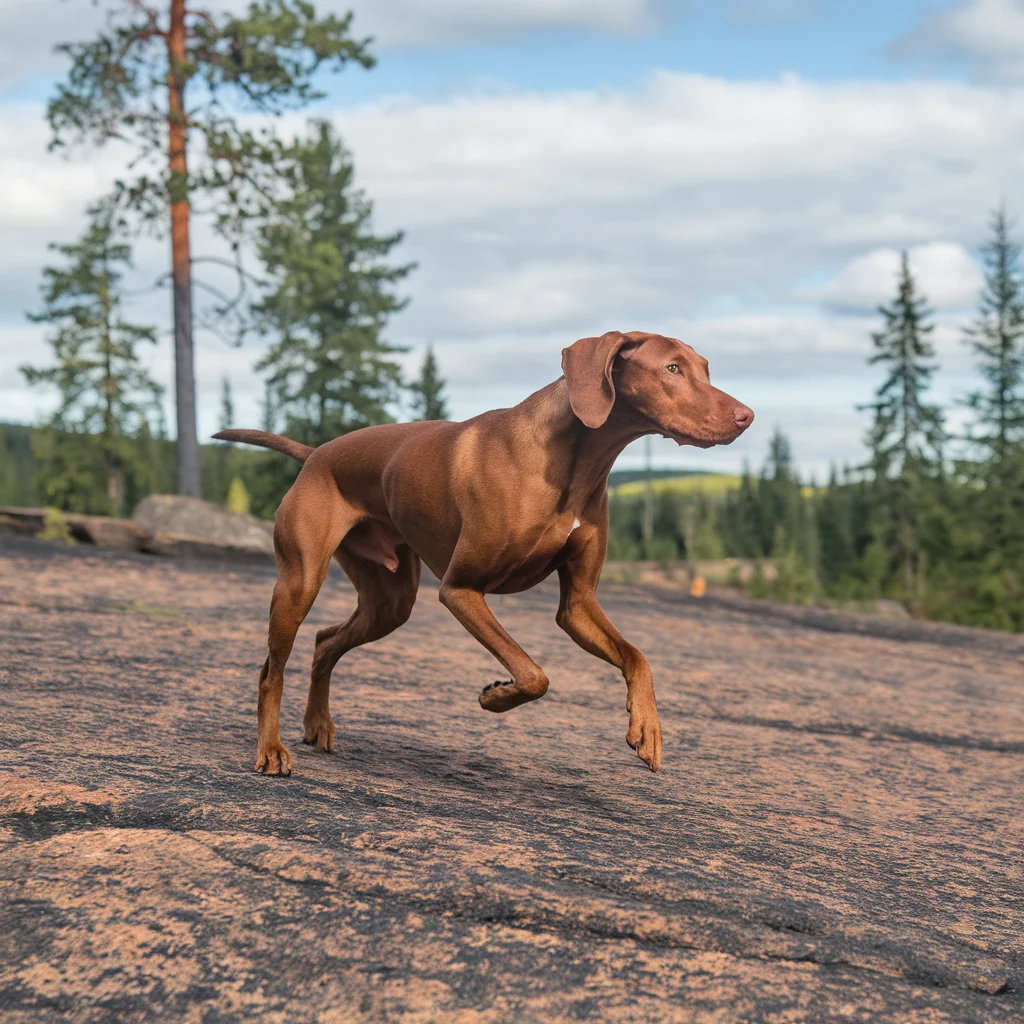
pixel 711 484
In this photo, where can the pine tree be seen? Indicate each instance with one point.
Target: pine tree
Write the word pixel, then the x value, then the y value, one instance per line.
pixel 988 532
pixel 227 404
pixel 106 397
pixel 268 414
pixel 905 430
pixel 163 75
pixel 740 520
pixel 217 470
pixel 703 541
pixel 779 497
pixel 834 517
pixel 429 402
pixel 330 296
pixel 906 434
pixel 997 338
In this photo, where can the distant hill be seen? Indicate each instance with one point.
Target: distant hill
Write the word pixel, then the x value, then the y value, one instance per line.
pixel 627 476
pixel 710 484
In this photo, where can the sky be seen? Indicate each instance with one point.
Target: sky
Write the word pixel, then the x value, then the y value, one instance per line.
pixel 740 174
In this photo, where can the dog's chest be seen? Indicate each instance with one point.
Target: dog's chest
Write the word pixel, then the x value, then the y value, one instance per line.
pixel 534 559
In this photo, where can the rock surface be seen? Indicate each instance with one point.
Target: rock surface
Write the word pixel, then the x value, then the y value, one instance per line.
pixel 836 834
pixel 174 520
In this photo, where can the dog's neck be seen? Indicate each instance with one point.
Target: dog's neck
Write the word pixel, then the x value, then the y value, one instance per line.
pixel 576 458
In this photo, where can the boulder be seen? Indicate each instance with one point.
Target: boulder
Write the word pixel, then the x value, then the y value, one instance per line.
pixel 105 532
pixel 891 609
pixel 18 519
pixel 191 526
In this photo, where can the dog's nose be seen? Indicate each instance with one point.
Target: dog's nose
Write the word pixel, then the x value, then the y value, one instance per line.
pixel 743 416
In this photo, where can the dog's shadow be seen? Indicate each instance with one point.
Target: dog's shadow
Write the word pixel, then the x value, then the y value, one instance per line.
pixel 441 780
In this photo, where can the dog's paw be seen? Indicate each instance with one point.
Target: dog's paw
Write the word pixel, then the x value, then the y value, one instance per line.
pixel 499 695
pixel 644 735
pixel 273 759
pixel 505 694
pixel 319 732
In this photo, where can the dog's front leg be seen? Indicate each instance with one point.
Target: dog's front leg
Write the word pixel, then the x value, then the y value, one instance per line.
pixel 580 615
pixel 528 680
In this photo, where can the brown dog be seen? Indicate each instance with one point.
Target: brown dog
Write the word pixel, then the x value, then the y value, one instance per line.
pixel 492 505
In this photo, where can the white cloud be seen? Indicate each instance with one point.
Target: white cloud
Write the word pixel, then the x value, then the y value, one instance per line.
pixel 987 35
pixel 945 274
pixel 692 205
pixel 580 207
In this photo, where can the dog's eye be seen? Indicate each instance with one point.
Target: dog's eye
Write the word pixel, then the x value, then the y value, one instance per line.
pixel 672 368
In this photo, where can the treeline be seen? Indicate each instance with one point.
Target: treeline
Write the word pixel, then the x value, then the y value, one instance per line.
pixel 241 477
pixel 930 518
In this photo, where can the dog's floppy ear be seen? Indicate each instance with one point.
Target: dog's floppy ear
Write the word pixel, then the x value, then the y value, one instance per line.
pixel 587 366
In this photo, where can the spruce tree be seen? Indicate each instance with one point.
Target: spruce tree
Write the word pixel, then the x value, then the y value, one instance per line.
pixel 906 434
pixel 217 471
pixel 107 398
pixel 331 292
pixel 989 532
pixel 227 404
pixel 835 524
pixel 997 338
pixel 429 402
pixel 163 77
pixel 779 497
pixel 268 415
pixel 741 519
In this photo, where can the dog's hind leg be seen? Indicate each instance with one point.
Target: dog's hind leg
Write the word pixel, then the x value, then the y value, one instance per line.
pixel 385 602
pixel 303 544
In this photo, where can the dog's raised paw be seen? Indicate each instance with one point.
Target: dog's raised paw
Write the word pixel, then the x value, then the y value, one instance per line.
pixel 495 696
pixel 505 694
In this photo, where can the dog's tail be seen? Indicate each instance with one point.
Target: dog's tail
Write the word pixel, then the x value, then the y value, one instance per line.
pixel 295 449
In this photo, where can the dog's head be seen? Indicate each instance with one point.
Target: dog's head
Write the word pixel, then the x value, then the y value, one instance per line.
pixel 659 380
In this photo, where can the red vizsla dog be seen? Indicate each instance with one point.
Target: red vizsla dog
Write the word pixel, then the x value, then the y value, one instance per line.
pixel 492 505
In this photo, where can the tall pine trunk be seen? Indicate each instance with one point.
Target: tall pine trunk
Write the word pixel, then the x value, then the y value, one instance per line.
pixel 181 261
